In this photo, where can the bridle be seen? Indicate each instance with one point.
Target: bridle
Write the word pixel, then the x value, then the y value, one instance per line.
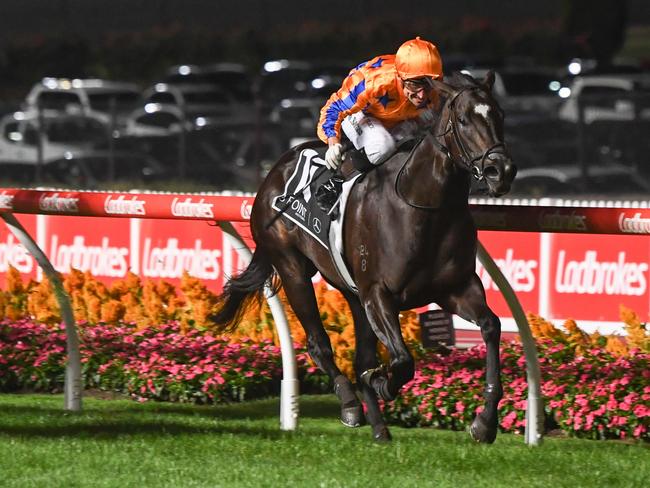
pixel 468 160
pixel 475 165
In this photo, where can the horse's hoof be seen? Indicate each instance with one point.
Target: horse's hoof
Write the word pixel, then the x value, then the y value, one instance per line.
pixel 381 434
pixel 481 431
pixel 352 416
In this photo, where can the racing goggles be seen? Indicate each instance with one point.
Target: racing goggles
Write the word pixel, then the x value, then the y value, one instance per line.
pixel 414 85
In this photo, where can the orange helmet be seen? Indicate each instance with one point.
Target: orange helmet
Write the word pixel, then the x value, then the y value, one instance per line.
pixel 417 58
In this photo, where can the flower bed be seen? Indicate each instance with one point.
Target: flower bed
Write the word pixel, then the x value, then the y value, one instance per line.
pixel 157 363
pixel 593 386
pixel 593 394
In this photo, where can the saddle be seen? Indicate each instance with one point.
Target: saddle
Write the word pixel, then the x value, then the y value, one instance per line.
pixel 298 205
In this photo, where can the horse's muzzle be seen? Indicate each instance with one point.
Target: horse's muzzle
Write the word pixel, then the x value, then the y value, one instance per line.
pixel 499 174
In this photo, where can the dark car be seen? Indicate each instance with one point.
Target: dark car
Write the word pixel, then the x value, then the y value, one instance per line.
pixel 231 77
pixel 88 171
pixel 601 180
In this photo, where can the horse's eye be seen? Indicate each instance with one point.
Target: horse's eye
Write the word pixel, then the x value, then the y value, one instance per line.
pixel 462 121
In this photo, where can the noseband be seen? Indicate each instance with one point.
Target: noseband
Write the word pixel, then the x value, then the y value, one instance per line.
pixel 467 158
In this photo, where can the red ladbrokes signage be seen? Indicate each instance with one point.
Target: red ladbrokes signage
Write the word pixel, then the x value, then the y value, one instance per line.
pixel 585 277
pixel 591 276
pixel 109 248
pixel 517 255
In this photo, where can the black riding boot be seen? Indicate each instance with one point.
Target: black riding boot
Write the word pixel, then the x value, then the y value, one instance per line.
pixel 328 193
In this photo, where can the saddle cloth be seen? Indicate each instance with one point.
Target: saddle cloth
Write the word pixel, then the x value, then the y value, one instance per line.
pixel 298 204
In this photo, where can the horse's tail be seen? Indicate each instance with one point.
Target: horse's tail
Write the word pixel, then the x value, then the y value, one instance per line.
pixel 242 290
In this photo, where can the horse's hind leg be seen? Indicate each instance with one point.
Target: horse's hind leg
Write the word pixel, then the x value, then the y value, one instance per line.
pixel 296 273
pixel 365 359
pixel 471 305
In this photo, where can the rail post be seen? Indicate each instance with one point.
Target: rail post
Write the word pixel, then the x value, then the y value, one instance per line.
pixel 289 389
pixel 73 386
pixel 535 407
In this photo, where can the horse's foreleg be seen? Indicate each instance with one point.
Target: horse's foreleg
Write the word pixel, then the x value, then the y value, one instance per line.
pixel 383 316
pixel 365 359
pixel 300 293
pixel 471 305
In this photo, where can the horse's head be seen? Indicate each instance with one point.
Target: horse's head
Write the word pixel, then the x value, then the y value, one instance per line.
pixel 471 129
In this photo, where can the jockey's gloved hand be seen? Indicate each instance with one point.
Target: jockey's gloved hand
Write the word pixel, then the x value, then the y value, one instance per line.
pixel 334 156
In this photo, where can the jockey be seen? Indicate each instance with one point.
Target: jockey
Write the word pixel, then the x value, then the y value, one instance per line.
pixel 379 102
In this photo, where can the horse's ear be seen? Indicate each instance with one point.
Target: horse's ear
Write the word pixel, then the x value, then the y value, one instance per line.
pixel 443 88
pixel 488 81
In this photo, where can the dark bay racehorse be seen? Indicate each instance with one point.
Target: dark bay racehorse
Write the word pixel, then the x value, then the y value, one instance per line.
pixel 409 240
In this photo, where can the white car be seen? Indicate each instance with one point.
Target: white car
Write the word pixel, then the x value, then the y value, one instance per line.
pixel 156 120
pixel 64 136
pixel 606 97
pixel 195 99
pixel 232 77
pixel 103 99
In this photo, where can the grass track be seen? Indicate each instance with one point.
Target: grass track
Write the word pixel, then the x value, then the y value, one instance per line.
pixel 120 443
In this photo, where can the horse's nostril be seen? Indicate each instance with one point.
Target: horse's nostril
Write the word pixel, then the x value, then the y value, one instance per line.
pixel 492 172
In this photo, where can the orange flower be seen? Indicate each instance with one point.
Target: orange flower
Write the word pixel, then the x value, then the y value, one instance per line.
pixel 14 281
pixel 617 346
pixel 638 335
pixel 112 311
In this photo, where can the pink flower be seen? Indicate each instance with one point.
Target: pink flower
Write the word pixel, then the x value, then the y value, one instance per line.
pixel 641 411
pixel 508 420
pixel 640 429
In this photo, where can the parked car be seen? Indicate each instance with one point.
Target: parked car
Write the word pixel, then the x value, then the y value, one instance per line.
pixel 105 99
pixel 87 170
pixel 601 180
pixel 196 100
pixel 297 119
pixel 75 150
pixel 606 97
pixel 231 77
pixel 158 120
pixel 280 79
pixel 63 135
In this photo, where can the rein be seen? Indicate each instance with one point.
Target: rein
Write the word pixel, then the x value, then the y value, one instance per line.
pixel 466 158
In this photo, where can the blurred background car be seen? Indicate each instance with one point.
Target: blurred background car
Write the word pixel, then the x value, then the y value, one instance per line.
pixel 23 142
pixel 110 100
pixel 87 170
pixel 195 99
pixel 157 120
pixel 297 118
pixel 590 181
pixel 280 79
pixel 606 97
pixel 234 78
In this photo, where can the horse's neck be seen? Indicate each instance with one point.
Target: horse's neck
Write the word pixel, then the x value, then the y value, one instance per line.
pixel 429 179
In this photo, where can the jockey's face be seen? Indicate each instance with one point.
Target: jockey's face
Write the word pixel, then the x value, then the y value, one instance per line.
pixel 417 91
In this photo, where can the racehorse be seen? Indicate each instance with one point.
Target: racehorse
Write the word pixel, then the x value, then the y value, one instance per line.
pixel 409 240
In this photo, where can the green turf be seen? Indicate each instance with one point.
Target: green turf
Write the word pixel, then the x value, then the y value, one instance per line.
pixel 121 443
